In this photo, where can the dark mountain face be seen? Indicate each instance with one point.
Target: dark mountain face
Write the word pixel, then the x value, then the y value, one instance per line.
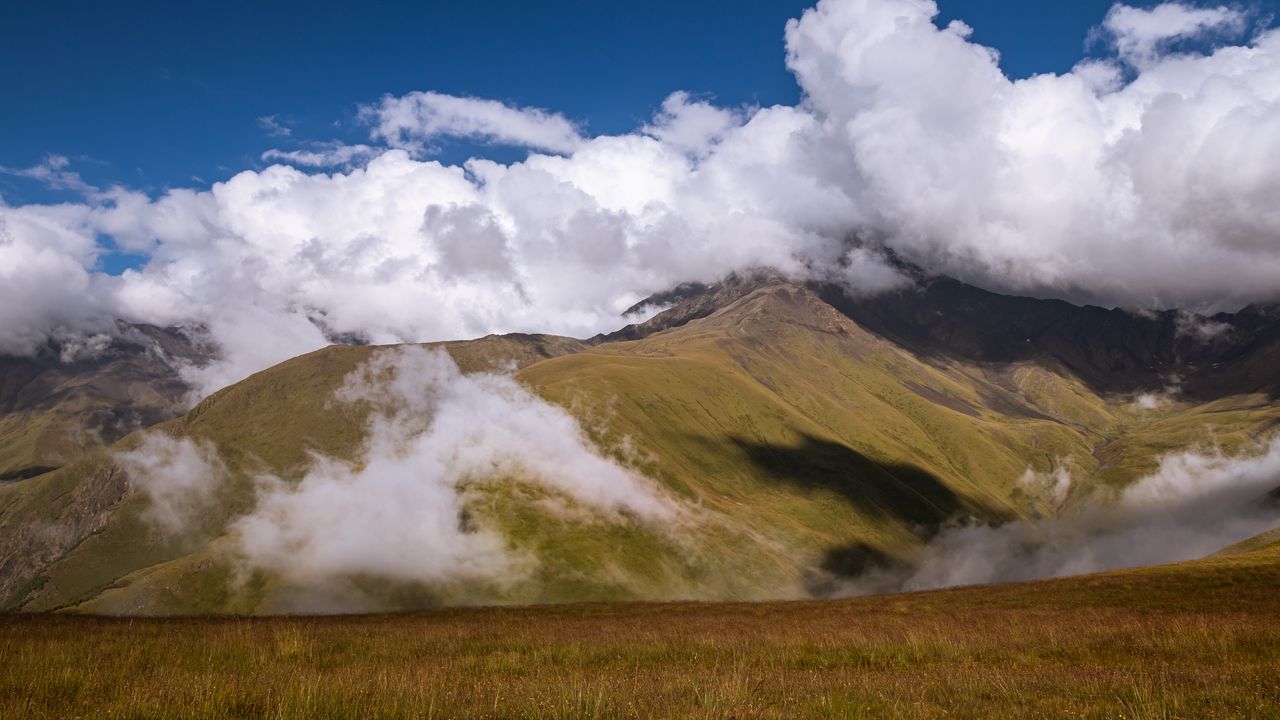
pixel 1113 351
pixel 59 403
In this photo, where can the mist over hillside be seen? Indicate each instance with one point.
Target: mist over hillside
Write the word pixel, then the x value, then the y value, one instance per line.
pixel 757 439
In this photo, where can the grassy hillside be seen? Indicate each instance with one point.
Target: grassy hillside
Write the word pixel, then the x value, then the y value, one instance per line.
pixel 268 423
pixel 1195 640
pixel 808 447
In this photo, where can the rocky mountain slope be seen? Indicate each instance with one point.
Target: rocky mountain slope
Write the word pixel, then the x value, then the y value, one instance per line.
pixel 69 399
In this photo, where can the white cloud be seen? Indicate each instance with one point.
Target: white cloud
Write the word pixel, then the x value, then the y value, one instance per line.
pixel 54 173
pixel 179 476
pixel 1140 34
pixel 1150 401
pixel 1147 193
pixel 46 286
pixel 412 121
pixel 1142 186
pixel 1203 329
pixel 275 126
pixel 323 155
pixel 691 125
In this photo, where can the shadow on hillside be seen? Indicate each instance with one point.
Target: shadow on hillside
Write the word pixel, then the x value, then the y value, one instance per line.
pixel 893 492
pixel 25 473
pixel 855 561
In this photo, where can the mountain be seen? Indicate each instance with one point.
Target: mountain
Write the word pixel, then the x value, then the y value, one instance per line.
pixel 1112 350
pixel 69 399
pixel 806 436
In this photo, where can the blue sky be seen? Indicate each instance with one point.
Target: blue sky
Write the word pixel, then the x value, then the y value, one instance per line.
pixel 153 97
pixel 1153 193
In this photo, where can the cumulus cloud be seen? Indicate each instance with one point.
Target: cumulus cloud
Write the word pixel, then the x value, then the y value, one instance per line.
pixel 404 250
pixel 179 476
pixel 1146 192
pixel 412 121
pixel 47 288
pixel 1195 504
pixel 401 511
pixel 691 125
pixel 1142 179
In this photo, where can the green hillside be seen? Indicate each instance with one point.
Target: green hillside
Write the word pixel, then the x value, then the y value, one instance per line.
pixel 801 446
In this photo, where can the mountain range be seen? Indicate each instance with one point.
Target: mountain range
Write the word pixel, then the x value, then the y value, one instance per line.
pixel 794 435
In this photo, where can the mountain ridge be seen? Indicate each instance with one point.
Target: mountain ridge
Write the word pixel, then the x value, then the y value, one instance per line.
pixel 818 436
pixel 67 399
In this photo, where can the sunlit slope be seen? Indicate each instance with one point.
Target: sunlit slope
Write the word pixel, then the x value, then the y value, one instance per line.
pixel 807 447
pixel 780 410
pixel 1259 546
pixel 784 414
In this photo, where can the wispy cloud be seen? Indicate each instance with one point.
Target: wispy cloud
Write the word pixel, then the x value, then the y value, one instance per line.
pixel 323 155
pixel 414 120
pixel 275 127
pixel 1140 34
pixel 54 172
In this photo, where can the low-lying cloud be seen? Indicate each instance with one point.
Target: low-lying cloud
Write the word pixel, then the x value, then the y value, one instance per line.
pixel 179 476
pixel 1195 504
pixel 1142 177
pixel 436 440
pixel 415 503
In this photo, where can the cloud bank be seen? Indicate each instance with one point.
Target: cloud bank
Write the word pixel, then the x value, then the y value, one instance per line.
pixel 1142 177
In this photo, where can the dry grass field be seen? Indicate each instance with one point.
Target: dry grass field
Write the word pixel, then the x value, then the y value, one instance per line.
pixel 1196 640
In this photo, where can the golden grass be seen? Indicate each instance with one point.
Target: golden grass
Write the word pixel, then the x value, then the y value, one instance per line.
pixel 1190 641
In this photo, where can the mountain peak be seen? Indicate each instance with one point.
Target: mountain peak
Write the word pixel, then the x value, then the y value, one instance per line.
pixel 692 301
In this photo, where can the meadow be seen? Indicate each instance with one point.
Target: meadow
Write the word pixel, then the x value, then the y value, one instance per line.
pixel 1194 640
